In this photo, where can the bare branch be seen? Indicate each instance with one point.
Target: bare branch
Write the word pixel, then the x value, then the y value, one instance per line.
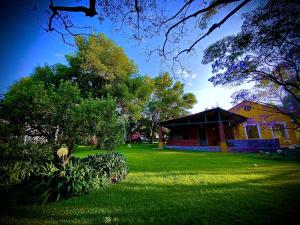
pixel 179 11
pixel 195 14
pixel 213 27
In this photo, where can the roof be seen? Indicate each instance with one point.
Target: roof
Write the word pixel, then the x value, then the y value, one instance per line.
pixel 274 109
pixel 208 116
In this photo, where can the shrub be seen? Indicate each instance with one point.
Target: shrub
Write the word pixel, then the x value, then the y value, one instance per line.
pixel 32 177
pixel 79 176
pixel 53 183
pixel 112 165
pixel 26 152
pixel 15 172
pixel 282 154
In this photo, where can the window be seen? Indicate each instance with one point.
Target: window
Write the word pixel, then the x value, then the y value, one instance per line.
pixel 252 131
pixel 180 134
pixel 247 107
pixel 279 130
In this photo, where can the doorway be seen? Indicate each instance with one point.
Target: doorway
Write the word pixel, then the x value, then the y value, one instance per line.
pixel 202 136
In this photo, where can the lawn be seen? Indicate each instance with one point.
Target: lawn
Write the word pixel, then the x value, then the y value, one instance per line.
pixel 174 187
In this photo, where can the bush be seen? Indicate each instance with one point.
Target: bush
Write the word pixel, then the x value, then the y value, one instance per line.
pixel 112 165
pixel 19 161
pixel 16 151
pixel 15 172
pixel 77 177
pixel 28 173
pixel 52 183
pixel 291 153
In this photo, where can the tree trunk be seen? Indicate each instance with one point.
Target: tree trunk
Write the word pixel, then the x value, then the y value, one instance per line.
pixel 152 132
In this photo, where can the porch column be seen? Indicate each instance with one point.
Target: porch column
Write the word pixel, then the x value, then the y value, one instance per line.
pixel 223 143
pixel 160 137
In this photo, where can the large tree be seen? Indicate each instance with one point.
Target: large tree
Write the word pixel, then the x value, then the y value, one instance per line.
pixel 265 53
pixel 167 101
pixel 101 68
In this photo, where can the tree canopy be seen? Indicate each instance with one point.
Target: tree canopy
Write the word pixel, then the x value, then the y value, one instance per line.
pixel 265 52
pixel 167 101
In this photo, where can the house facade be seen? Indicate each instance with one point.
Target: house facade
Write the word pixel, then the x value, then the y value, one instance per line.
pixel 247 126
pixel 265 122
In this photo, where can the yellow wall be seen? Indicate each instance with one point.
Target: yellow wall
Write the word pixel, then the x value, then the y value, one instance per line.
pixel 264 116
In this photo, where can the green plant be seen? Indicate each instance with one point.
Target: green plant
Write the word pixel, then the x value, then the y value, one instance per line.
pixel 54 183
pixel 281 154
pixel 16 151
pixel 15 172
pixel 112 165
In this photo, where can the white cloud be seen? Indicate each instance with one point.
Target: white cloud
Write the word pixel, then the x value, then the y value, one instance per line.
pixel 58 55
pixel 186 75
pixel 210 97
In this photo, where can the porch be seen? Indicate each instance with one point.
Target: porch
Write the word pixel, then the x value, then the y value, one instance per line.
pixel 205 131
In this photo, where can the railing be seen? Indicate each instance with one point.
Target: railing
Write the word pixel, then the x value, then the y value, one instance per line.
pixel 253 145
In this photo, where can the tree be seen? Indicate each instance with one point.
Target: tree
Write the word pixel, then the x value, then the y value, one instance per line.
pixel 100 117
pixel 265 52
pixel 98 65
pixel 168 101
pixel 41 110
pixel 101 68
pixel 175 21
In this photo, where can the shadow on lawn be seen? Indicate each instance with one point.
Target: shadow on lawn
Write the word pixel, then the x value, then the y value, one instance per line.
pixel 244 202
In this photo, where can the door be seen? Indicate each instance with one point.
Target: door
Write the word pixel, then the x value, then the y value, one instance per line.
pixel 202 136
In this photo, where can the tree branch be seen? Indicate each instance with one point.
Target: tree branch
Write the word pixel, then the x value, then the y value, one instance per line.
pixel 179 11
pixel 195 14
pixel 90 11
pixel 213 27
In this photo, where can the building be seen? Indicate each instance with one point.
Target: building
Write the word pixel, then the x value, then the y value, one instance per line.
pixel 247 126
pixel 265 122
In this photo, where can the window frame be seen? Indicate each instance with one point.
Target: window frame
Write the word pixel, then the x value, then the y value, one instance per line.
pixel 257 127
pixel 285 130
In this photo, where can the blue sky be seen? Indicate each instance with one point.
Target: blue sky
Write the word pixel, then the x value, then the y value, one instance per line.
pixel 25 45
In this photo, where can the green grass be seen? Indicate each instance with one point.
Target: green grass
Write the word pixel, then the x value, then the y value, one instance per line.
pixel 174 187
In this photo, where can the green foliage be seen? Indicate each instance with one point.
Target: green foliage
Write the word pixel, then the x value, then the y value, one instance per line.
pixel 15 172
pixel 112 165
pixel 31 103
pixel 101 68
pixel 77 177
pixel 282 154
pixel 45 182
pixel 99 117
pixel 265 52
pixel 99 57
pixel 26 152
pixel 168 101
pixel 19 161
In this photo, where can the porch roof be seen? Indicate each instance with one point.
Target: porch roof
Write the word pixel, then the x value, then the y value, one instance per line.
pixel 210 116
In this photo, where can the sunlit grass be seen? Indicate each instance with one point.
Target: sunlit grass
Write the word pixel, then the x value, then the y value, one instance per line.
pixel 176 187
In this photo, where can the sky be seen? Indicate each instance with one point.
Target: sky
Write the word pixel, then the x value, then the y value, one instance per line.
pixel 24 45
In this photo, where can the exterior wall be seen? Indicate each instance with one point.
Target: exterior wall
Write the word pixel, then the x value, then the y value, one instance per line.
pixel 188 142
pixel 264 117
